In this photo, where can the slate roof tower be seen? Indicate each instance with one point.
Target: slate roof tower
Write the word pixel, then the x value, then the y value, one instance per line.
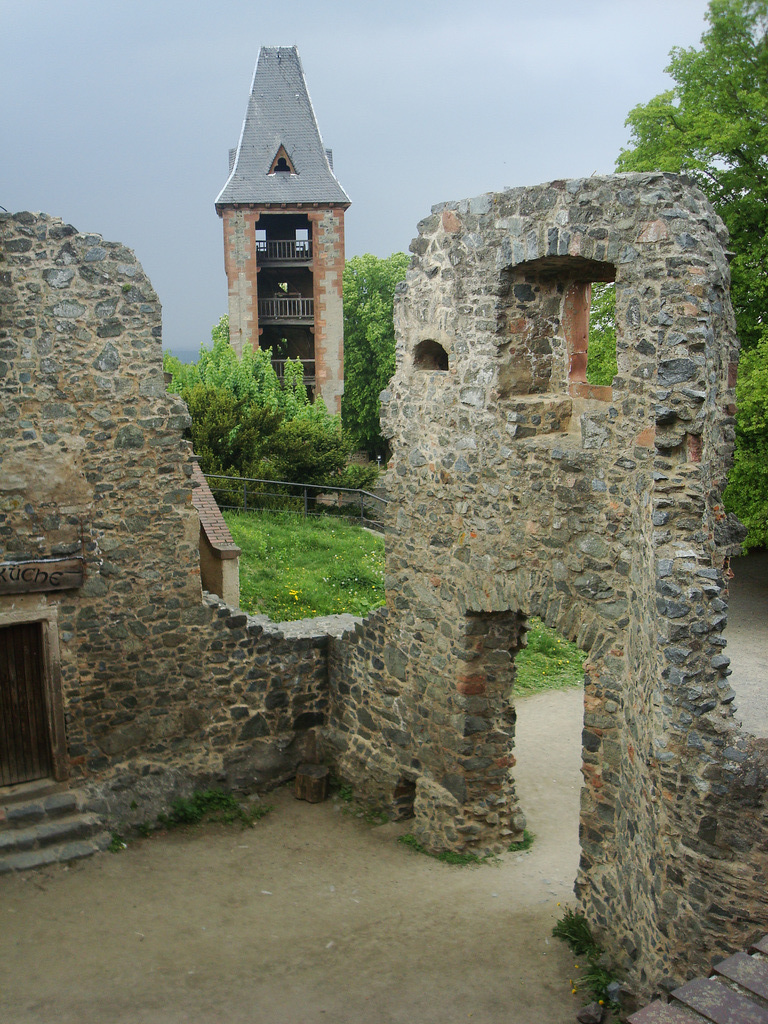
pixel 283 215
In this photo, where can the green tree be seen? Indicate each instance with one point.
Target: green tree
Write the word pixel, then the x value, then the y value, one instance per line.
pixel 713 126
pixel 310 451
pixel 247 422
pixel 747 490
pixel 231 436
pixel 369 343
pixel 601 364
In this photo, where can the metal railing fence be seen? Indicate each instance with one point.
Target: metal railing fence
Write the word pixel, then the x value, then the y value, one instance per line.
pixel 248 494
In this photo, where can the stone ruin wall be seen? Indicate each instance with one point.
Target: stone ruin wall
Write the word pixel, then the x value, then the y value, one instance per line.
pixel 518 489
pixel 159 690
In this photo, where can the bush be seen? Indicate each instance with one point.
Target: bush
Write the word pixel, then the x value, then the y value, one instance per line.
pixel 246 422
pixel 747 492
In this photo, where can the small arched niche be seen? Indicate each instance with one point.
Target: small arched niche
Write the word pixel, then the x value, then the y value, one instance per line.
pixel 430 355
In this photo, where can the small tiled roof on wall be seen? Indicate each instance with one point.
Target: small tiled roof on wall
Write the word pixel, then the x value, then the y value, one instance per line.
pixel 211 519
pixel 280 114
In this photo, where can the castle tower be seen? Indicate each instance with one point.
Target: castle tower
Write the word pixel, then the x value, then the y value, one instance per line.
pixel 283 215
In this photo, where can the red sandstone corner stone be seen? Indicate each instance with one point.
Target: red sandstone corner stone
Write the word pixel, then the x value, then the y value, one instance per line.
pixel 519 325
pixel 471 686
pixel 653 231
pixel 451 222
pixel 599 392
pixel 506 762
pixel 646 438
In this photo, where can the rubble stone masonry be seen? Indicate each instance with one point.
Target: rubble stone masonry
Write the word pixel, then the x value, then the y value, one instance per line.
pixel 159 690
pixel 519 489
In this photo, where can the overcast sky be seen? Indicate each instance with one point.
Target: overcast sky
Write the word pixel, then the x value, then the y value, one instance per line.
pixel 117 116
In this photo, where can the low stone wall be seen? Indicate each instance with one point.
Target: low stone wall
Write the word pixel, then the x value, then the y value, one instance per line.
pixel 240 711
pixel 150 690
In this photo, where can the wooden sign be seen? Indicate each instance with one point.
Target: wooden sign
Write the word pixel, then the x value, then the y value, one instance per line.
pixel 48 574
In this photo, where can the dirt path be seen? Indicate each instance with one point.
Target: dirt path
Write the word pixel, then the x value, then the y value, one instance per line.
pixel 312 916
pixel 747 636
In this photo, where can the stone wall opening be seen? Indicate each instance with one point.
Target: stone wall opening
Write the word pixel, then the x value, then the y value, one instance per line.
pixel 516 484
pixel 747 634
pixel 601 345
pixel 403 798
pixel 430 355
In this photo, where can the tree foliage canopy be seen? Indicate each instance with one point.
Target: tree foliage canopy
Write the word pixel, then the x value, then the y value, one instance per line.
pixel 713 125
pixel 601 351
pixel 248 422
pixel 369 342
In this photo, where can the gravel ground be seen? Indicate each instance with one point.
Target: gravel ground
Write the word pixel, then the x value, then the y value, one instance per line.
pixel 311 916
pixel 316 916
pixel 747 636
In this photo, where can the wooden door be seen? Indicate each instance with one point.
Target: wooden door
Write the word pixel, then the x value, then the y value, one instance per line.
pixel 25 740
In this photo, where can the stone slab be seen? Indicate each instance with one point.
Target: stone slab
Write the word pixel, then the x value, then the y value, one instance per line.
pixel 719 1004
pixel 664 1013
pixel 60 803
pixel 747 971
pixel 24 813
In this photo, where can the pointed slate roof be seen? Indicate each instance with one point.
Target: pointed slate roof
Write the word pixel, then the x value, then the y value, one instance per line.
pixel 280 114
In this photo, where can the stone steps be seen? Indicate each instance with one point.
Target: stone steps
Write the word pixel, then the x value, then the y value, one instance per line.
pixel 736 993
pixel 46 823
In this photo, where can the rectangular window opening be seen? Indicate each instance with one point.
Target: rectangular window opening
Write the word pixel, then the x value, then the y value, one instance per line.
pixel 601 345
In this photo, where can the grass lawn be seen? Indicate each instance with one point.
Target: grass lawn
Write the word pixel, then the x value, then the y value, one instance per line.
pixel 549 662
pixel 296 568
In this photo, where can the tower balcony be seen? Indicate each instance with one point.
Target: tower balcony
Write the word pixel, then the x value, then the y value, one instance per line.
pixel 286 310
pixel 284 252
pixel 307 364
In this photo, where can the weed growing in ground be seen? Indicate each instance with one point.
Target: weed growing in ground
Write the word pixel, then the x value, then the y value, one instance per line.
pixel 598 979
pixel 211 805
pixel 446 857
pixel 525 843
pixel 574 930
pixel 549 662
pixel 345 792
pixel 117 843
pixel 370 815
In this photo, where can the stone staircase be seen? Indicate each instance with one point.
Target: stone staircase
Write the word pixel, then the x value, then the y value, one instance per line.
pixel 46 823
pixel 737 993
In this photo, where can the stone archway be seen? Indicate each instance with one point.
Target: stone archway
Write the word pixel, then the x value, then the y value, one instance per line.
pixel 517 485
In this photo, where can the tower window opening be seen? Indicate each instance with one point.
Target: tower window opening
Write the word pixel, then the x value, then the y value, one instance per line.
pixel 430 355
pixel 602 366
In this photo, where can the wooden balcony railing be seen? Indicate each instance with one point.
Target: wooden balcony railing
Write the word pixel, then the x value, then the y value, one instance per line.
pixel 277 308
pixel 309 370
pixel 284 251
